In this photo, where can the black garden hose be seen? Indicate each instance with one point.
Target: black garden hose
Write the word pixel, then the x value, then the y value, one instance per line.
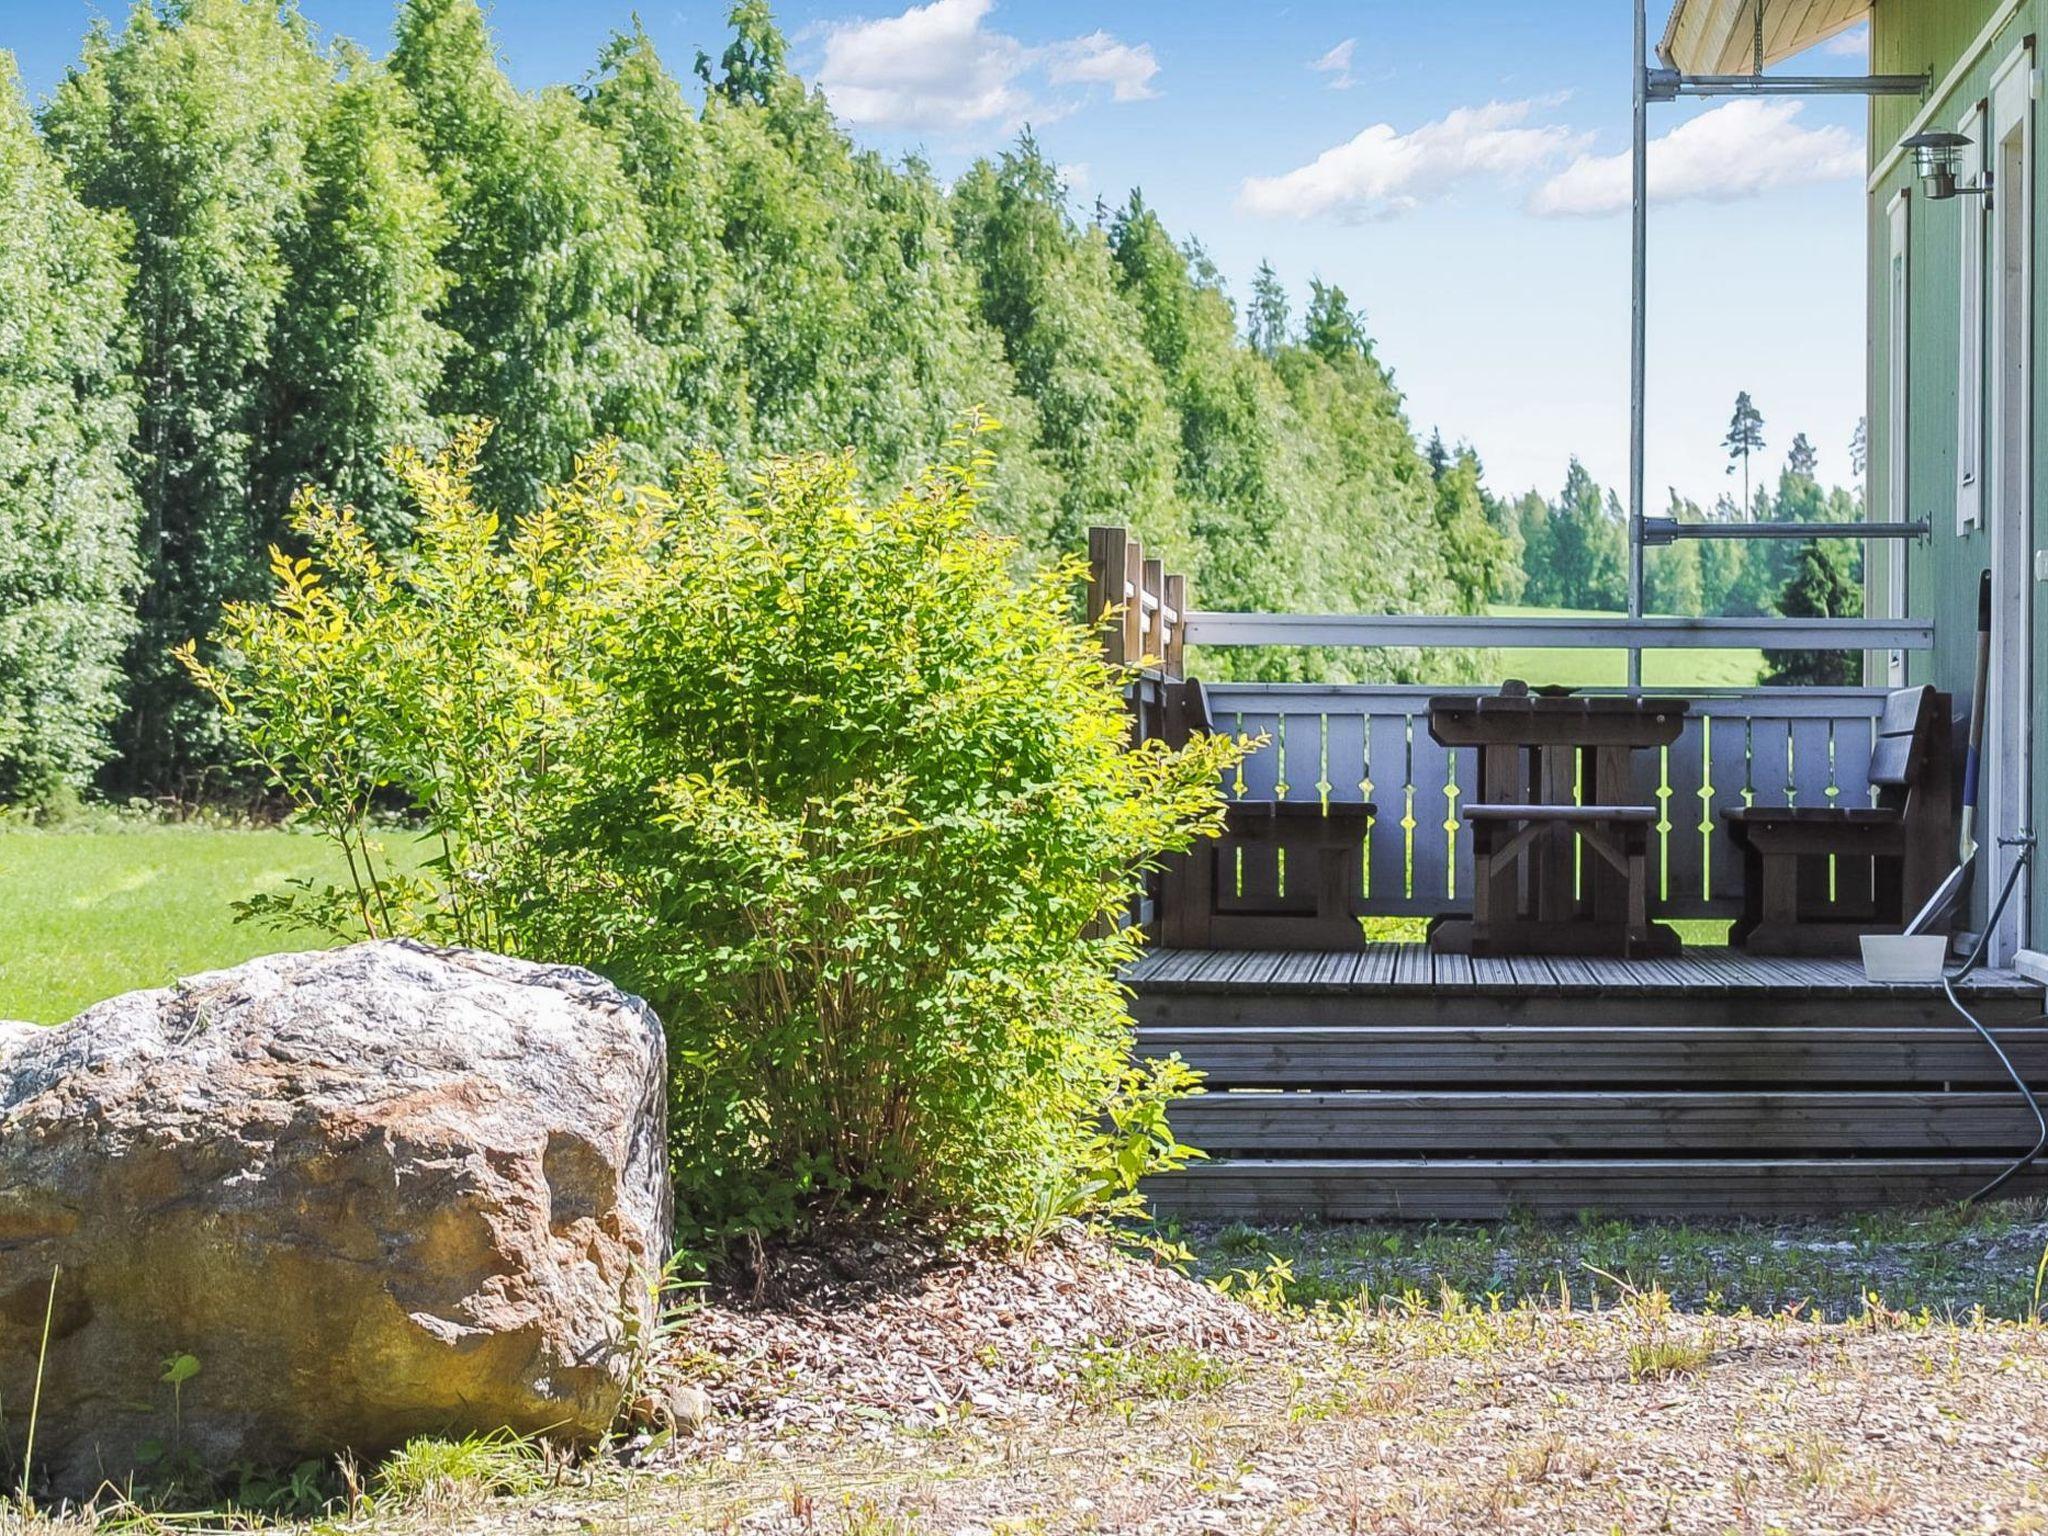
pixel 1948 985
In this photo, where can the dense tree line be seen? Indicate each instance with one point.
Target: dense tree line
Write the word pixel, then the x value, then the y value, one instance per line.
pixel 241 260
pixel 1571 551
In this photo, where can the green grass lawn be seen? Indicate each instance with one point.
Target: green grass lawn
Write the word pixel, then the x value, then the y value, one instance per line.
pixel 89 912
pixel 1590 669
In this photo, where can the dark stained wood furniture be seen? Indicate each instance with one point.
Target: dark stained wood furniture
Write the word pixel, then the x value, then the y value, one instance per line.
pixel 1554 778
pixel 1817 877
pixel 1285 874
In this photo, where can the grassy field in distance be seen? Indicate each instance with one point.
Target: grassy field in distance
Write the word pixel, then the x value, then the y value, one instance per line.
pixel 1590 669
pixel 90 911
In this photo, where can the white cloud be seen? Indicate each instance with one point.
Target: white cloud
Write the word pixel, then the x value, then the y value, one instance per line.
pixel 1099 59
pixel 1852 44
pixel 1337 64
pixel 1382 172
pixel 1733 151
pixel 937 67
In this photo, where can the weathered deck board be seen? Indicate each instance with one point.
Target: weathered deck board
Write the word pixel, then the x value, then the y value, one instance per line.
pixel 1588 1124
pixel 1480 1189
pixel 1704 969
pixel 1535 1057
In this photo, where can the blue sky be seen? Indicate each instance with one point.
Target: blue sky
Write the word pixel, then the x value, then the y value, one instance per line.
pixel 1453 164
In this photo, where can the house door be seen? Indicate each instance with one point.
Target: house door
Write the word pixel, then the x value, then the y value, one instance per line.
pixel 2009 723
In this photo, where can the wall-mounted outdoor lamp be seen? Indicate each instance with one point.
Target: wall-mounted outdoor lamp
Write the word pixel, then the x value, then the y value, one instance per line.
pixel 1935 156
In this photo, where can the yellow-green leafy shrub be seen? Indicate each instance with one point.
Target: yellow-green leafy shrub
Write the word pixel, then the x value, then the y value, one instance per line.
pixel 846 801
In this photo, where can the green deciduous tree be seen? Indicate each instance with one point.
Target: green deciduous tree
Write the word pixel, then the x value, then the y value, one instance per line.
pixel 1478 556
pixel 549 252
pixel 67 508
pixel 335 256
pixel 193 123
pixel 1049 290
pixel 687 313
pixel 1268 321
pixel 357 356
pixel 1375 542
pixel 1587 557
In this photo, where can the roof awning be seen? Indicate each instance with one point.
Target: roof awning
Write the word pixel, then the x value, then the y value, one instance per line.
pixel 1718 37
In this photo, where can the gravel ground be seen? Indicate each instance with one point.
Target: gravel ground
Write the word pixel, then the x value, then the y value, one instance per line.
pixel 893 1393
pixel 1078 1392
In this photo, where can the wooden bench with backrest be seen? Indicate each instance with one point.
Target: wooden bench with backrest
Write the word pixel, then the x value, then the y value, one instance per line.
pixel 1816 878
pixel 1285 874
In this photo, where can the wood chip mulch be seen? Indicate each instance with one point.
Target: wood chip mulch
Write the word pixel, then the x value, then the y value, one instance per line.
pixel 912 1336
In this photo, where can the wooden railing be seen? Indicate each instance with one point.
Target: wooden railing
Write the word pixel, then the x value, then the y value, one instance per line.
pixel 1349 744
pixel 1358 743
pixel 1140 605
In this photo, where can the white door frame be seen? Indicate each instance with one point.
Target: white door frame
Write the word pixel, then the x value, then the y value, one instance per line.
pixel 2008 740
pixel 1887 579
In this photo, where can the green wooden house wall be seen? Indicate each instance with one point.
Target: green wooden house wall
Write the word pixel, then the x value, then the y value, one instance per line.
pixel 1971 39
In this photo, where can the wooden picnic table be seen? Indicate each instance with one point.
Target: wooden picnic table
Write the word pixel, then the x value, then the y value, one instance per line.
pixel 1570 754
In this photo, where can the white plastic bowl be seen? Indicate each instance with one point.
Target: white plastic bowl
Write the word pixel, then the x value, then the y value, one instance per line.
pixel 1898 957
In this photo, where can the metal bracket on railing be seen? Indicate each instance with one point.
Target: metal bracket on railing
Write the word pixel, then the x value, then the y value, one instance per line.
pixel 1658 531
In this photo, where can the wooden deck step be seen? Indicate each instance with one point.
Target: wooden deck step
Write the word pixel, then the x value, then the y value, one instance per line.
pixel 1527 1008
pixel 1488 1189
pixel 1622 1056
pixel 1603 1124
pixel 1396 1083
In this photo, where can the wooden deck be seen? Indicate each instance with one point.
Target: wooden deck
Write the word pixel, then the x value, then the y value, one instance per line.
pixel 1396 968
pixel 1398 1083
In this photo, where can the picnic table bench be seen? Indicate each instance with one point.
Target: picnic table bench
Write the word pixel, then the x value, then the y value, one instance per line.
pixel 1554 778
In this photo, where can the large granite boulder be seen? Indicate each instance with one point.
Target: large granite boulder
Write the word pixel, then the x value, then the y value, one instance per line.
pixel 370 1193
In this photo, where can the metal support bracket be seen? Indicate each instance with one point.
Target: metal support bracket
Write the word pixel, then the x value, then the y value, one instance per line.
pixel 1658 531
pixel 1669 85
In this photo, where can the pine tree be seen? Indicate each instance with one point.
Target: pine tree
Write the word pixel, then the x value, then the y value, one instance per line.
pixel 1859 448
pixel 1821 587
pixel 1801 461
pixel 1745 436
pixel 1437 455
pixel 68 511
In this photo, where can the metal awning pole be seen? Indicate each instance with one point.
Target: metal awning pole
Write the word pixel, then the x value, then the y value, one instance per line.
pixel 1638 332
